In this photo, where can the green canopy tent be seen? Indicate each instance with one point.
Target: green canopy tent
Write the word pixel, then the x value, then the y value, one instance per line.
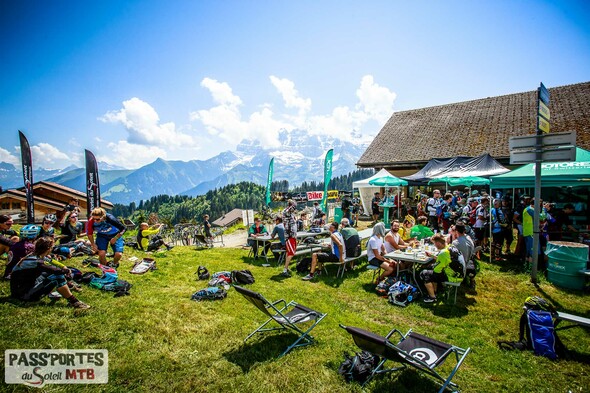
pixel 553 174
pixel 389 181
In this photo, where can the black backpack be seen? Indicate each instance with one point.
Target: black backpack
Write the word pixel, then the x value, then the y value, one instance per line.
pixel 457 262
pixel 352 246
pixel 358 367
pixel 203 273
pixel 242 277
pixel 304 265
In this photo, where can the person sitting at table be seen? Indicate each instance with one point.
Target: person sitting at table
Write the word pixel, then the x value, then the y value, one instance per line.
pixel 405 230
pixel 376 250
pixel 257 229
pixel 393 240
pixel 302 222
pixel 337 254
pixel 352 242
pixel 421 231
pixel 278 231
pixel 441 271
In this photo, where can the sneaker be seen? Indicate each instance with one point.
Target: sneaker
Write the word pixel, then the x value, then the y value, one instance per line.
pixel 286 273
pixel 79 305
pixel 308 277
pixel 169 247
pixel 54 295
pixel 75 287
pixel 429 299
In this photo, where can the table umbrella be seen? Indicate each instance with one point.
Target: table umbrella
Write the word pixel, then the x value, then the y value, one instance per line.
pixel 390 181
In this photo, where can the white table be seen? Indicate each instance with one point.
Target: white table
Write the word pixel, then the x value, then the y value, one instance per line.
pixel 416 258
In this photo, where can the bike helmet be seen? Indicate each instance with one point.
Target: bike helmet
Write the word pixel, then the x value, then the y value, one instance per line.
pixel 29 231
pixel 52 218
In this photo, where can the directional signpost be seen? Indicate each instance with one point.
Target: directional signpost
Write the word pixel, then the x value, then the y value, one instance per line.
pixel 538 148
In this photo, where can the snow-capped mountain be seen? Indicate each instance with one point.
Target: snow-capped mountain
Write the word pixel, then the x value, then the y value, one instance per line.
pixel 299 158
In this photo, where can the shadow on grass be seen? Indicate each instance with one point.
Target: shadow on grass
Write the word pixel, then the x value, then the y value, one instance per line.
pixel 407 380
pixel 260 350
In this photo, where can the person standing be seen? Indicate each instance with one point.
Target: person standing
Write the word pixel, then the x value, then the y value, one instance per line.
pixel 507 229
pixel 207 227
pixel 375 206
pixel 290 225
pixel 433 206
pixel 109 231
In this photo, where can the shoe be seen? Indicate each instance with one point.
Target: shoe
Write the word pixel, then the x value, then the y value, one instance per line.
pixel 286 273
pixel 169 248
pixel 429 299
pixel 54 295
pixel 79 305
pixel 308 277
pixel 75 287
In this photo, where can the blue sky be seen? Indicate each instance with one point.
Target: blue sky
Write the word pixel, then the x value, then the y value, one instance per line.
pixel 137 80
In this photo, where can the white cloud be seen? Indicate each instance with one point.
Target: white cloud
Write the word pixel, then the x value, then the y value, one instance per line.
pixel 290 95
pixel 131 155
pixel 49 157
pixel 225 119
pixel 375 104
pixel 5 156
pixel 144 127
pixel 376 101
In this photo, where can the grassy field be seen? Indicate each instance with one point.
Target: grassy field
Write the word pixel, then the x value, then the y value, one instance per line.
pixel 160 340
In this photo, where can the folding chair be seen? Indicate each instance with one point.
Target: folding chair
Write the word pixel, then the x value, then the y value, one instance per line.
pixel 413 349
pixel 289 316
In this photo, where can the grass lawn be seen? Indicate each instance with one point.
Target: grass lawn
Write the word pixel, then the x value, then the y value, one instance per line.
pixel 160 340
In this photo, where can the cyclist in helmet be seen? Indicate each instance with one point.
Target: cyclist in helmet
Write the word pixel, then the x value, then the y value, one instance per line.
pixel 47 229
pixel 23 247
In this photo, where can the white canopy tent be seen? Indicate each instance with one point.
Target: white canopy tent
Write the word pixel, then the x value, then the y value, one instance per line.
pixel 366 191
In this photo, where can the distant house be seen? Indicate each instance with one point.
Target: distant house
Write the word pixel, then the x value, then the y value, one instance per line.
pixel 229 219
pixel 49 197
pixel 411 138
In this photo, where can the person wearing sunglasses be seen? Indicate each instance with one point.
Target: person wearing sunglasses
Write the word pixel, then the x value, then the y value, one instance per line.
pixel 8 236
pixel 109 231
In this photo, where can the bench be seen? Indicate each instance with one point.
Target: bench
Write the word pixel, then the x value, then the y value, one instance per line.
pixel 342 265
pixel 575 319
pixel 450 286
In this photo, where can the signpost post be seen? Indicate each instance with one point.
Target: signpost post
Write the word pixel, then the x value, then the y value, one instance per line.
pixel 537 148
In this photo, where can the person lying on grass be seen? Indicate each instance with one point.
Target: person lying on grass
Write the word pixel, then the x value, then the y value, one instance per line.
pixel 32 278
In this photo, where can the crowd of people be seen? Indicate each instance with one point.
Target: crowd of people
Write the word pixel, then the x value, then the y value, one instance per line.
pixel 35 253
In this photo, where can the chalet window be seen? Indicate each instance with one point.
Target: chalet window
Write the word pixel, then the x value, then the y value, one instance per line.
pixel 15 205
pixel 5 206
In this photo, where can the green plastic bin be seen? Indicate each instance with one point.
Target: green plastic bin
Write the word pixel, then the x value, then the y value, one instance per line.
pixel 565 260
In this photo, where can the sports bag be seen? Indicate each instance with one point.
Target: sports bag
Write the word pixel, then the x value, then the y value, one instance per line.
pixel 401 294
pixel 211 293
pixel 242 277
pixel 358 367
pixel 120 287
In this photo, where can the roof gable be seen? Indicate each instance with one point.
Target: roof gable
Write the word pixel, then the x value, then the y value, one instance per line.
pixel 472 128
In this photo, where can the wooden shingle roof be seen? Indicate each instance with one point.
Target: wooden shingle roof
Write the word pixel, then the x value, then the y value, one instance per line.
pixel 411 138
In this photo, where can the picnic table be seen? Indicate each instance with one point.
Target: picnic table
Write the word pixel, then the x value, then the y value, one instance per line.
pixel 417 257
pixel 262 240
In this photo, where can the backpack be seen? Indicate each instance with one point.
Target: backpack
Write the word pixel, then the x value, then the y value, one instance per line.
pixel 203 273
pixel 242 277
pixel 211 293
pixel 537 330
pixel 401 293
pixel 220 279
pixel 352 246
pixel 105 279
pixel 76 274
pixel 358 367
pixel 304 265
pixel 120 287
pixel 457 262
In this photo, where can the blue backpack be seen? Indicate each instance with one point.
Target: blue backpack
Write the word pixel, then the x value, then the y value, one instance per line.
pixel 211 293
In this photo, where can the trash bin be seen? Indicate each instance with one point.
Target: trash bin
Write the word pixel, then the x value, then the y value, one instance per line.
pixel 565 260
pixel 337 214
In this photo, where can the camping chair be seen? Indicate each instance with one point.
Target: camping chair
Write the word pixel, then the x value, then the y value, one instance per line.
pixel 413 349
pixel 289 316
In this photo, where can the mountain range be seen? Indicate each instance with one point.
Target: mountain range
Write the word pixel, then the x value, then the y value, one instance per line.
pixel 299 158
